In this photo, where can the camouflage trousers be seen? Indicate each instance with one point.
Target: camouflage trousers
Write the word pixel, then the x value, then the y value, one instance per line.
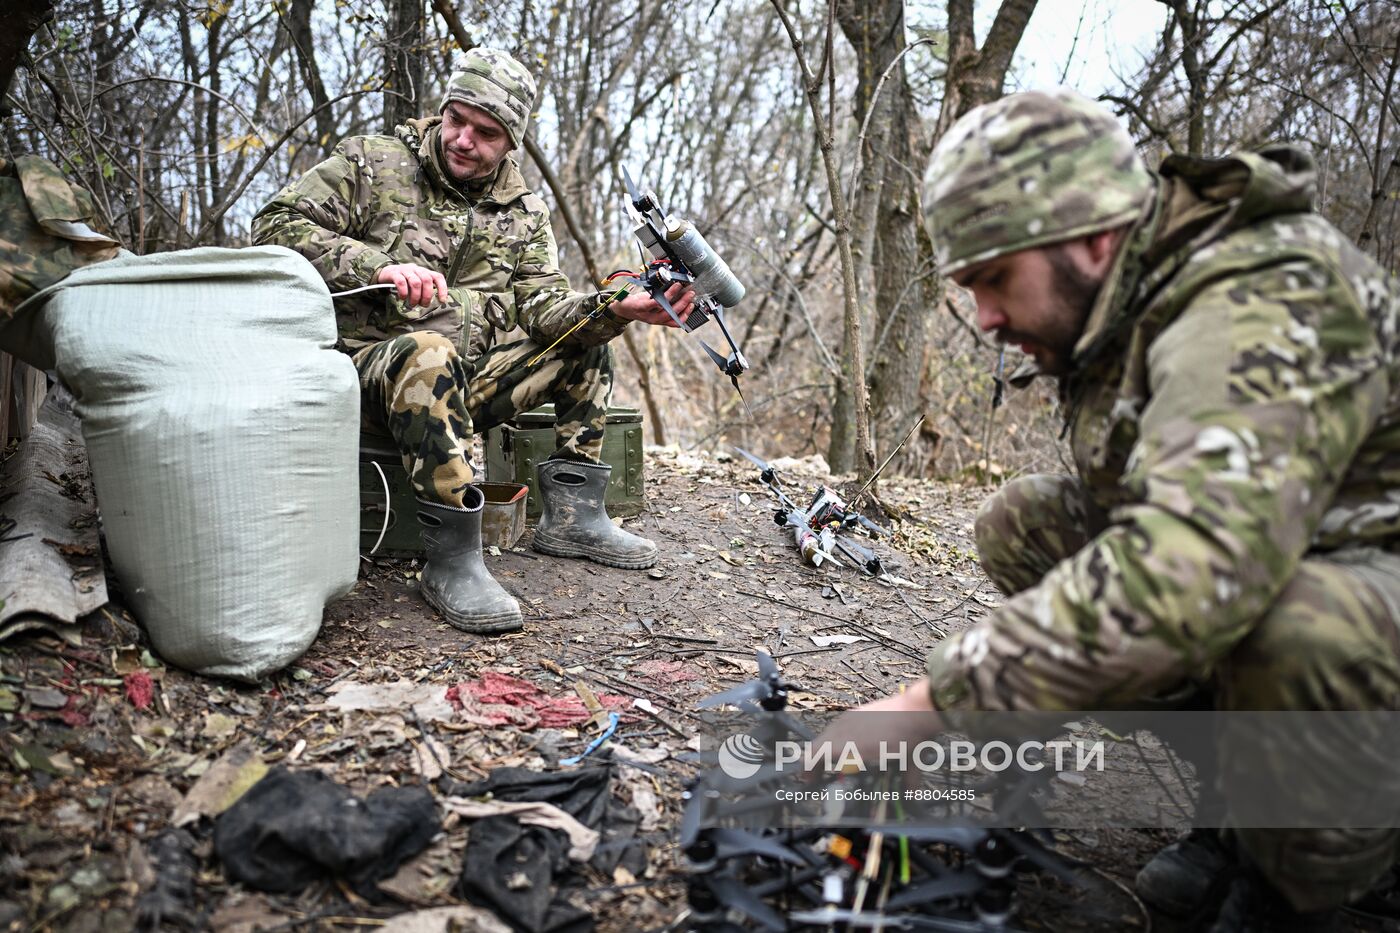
pixel 417 389
pixel 1329 642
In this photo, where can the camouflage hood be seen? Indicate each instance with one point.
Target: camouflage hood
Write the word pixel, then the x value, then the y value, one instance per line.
pixel 1204 199
pixel 1198 201
pixel 424 138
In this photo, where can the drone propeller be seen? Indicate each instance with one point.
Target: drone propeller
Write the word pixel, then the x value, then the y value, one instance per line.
pixel 632 192
pixel 733 843
pixel 950 885
pixel 769 691
pixel 692 814
pixel 742 696
pixel 738 897
pixel 1029 848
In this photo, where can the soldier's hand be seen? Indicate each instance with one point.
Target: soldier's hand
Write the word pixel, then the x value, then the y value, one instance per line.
pixel 415 284
pixel 907 716
pixel 640 307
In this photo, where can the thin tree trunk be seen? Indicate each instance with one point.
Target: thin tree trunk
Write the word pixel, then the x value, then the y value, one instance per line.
pixel 1383 185
pixel 851 399
pixel 888 217
pixel 403 63
pixel 19 22
pixel 298 24
pixel 213 133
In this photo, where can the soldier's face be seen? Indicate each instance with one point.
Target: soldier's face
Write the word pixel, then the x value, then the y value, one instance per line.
pixel 1036 299
pixel 473 142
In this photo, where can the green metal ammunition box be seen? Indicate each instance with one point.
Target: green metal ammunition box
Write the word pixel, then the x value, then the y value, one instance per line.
pixel 381 467
pixel 514 448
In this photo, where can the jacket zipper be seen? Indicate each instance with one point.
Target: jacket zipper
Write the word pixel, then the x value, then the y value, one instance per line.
pixel 455 269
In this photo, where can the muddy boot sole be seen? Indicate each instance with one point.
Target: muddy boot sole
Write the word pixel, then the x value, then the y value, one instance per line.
pixel 494 624
pixel 556 547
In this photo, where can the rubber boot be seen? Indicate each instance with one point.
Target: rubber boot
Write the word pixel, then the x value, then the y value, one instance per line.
pixel 1180 879
pixel 455 581
pixel 574 523
pixel 1251 905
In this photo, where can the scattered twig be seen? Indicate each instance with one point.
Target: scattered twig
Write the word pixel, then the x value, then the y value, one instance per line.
pixel 861 674
pixel 656 717
pixel 854 626
pixel 793 654
pixel 918 615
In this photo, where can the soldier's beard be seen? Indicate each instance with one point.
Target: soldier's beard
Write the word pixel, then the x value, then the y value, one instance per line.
pixel 465 168
pixel 1072 294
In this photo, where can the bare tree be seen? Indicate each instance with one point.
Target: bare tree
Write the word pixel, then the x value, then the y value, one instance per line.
pixel 851 394
pixel 18 23
pixel 892 248
pixel 1318 74
pixel 403 62
pixel 977 75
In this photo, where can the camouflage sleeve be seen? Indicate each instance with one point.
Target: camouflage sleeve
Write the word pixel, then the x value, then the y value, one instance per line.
pixel 316 215
pixel 1262 390
pixel 547 307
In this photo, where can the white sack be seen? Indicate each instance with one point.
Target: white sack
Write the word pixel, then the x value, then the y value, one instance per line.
pixel 222 428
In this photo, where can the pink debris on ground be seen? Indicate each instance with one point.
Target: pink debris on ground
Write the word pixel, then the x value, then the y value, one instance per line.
pixel 72 716
pixel 140 689
pixel 663 671
pixel 496 699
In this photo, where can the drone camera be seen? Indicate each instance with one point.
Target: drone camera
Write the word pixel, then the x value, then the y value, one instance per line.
pixel 994 858
pixel 701 853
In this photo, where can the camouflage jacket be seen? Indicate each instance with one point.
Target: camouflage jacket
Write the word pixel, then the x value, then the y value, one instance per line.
pixel 1234 405
pixel 380 200
pixel 45 230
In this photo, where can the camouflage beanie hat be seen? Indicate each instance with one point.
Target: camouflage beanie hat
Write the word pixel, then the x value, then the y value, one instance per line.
pixel 491 80
pixel 1028 170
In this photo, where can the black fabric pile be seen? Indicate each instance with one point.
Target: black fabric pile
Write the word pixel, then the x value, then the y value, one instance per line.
pixel 523 873
pixel 292 828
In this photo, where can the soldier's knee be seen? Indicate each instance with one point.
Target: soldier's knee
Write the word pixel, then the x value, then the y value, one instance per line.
pixel 1318 869
pixel 1025 505
pixel 427 341
pixel 424 354
pixel 1322 645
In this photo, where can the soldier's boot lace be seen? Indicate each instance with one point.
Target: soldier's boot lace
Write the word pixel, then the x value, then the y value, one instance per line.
pixel 455 580
pixel 575 523
pixel 1179 879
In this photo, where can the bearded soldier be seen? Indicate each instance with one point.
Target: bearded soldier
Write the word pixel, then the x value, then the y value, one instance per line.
pixel 1229 371
pixel 440 211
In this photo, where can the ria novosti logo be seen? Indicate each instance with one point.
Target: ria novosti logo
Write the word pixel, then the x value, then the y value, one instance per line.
pixel 740 756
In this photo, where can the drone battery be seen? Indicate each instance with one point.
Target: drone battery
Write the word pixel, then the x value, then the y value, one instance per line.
pixel 696 317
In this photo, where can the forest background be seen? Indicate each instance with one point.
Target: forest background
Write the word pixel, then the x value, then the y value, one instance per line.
pixel 795 133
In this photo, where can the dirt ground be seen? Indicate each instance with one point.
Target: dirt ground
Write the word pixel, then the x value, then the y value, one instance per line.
pixel 94 766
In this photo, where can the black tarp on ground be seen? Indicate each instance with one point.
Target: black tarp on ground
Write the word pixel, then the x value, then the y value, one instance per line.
pixel 294 827
pixel 522 872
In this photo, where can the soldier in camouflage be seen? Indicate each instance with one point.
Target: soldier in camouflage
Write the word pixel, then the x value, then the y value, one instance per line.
pixel 441 213
pixel 46 231
pixel 1229 370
